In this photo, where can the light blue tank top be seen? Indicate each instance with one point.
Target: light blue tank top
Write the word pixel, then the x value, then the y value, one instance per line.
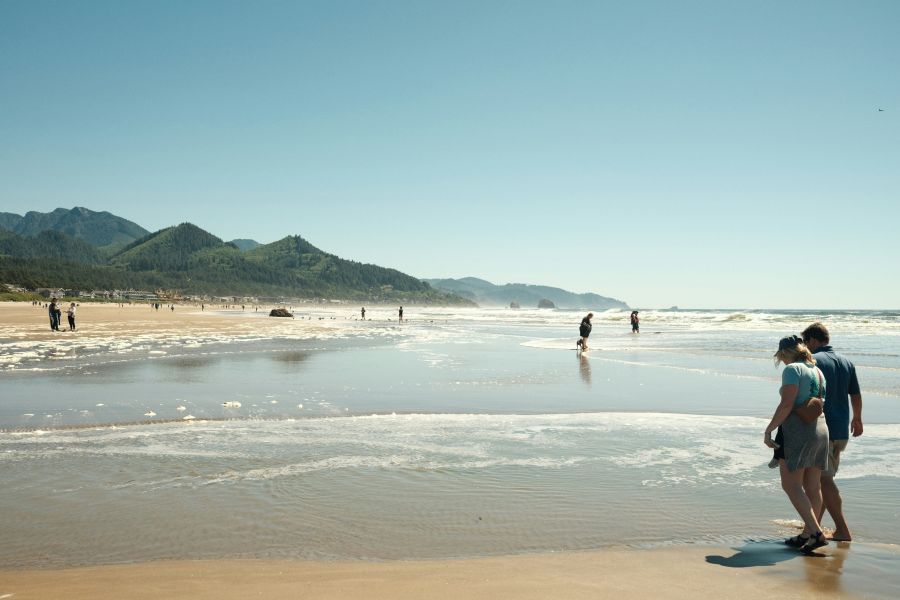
pixel 806 378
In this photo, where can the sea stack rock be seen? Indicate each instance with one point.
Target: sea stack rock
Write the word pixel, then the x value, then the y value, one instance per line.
pixel 514 305
pixel 544 303
pixel 280 312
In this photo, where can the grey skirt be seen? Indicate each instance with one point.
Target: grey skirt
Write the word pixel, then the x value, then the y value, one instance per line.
pixel 805 444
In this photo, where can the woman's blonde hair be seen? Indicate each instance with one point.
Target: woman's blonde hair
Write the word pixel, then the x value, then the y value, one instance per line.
pixel 794 354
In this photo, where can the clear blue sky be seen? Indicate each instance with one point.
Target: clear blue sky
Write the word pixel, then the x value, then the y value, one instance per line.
pixel 704 154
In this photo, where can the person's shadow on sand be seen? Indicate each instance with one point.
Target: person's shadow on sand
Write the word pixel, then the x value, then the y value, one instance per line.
pixel 757 554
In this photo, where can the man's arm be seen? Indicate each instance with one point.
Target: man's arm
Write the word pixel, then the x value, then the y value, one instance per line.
pixel 856 425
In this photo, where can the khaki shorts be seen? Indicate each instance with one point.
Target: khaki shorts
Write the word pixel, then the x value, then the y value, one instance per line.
pixel 834 456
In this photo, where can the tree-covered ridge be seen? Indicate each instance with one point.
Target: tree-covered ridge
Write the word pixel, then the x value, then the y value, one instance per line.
pixel 193 261
pixel 245 244
pixel 291 252
pixel 49 244
pixel 101 229
pixel 8 221
pixel 169 249
pixel 296 254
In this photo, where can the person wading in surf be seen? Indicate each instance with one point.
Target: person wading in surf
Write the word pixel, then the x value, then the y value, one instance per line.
pixel 584 331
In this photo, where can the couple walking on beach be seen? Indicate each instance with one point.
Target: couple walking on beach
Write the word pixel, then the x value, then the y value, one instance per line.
pixel 819 388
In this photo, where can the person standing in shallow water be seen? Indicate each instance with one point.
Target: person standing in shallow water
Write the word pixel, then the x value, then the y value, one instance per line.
pixel 635 322
pixel 401 313
pixel 71 315
pixel 803 453
pixel 841 381
pixel 54 314
pixel 362 311
pixel 584 330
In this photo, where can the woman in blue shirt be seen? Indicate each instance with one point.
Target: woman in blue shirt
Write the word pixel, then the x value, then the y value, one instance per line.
pixel 805 444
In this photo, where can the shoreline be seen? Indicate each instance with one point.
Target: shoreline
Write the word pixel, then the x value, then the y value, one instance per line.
pixel 688 572
pixel 69 524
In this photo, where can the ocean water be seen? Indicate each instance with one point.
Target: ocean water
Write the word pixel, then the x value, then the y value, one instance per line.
pixel 462 432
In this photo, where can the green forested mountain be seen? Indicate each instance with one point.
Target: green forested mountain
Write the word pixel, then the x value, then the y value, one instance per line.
pixel 51 245
pixel 169 249
pixel 244 244
pixel 101 229
pixel 9 220
pixel 315 267
pixel 192 261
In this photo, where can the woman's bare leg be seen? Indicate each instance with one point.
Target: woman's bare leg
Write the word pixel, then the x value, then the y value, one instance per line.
pixel 792 484
pixel 812 478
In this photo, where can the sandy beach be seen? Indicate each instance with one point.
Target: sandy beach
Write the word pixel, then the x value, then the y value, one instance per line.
pixel 691 573
pixel 254 502
pixel 24 321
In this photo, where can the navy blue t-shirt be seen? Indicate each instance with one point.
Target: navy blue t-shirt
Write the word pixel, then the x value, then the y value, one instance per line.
pixel 840 377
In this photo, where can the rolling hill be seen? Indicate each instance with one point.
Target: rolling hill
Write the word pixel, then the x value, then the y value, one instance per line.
pixel 486 293
pixel 104 230
pixel 193 261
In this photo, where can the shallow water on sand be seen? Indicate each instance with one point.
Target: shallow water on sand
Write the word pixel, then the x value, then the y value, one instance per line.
pixel 457 434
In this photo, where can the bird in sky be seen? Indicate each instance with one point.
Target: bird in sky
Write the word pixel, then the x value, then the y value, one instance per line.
pixel 880 110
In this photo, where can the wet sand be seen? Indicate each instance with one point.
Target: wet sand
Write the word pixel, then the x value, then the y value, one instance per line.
pixel 691 572
pixel 855 570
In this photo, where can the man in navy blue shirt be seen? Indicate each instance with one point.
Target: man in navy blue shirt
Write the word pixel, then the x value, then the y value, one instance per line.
pixel 840 383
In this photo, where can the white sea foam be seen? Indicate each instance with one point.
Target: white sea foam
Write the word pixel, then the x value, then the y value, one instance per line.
pixel 670 449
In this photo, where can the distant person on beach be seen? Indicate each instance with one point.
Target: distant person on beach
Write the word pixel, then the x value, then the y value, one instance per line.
pixel 362 311
pixel 401 313
pixel 841 394
pixel 71 316
pixel 54 314
pixel 584 330
pixel 802 451
pixel 635 322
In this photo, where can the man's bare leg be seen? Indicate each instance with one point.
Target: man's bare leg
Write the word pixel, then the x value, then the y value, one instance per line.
pixel 834 504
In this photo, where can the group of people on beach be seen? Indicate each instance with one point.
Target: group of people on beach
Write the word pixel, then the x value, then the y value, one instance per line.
pixel 362 312
pixel 584 330
pixel 819 391
pixel 55 313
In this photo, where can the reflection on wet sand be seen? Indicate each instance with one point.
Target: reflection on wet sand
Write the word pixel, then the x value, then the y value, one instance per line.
pixel 826 574
pixel 584 367
pixel 291 357
pixel 192 362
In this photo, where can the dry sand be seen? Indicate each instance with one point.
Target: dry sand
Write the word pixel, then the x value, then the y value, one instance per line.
pixel 21 320
pixel 692 572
